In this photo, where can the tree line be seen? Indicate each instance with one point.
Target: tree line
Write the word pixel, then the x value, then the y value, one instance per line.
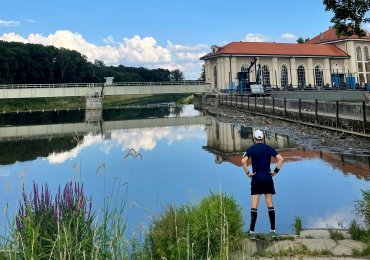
pixel 37 64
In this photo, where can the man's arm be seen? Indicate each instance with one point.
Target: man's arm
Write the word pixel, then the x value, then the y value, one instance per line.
pixel 245 165
pixel 280 162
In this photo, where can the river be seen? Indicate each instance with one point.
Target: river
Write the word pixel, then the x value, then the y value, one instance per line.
pixel 170 155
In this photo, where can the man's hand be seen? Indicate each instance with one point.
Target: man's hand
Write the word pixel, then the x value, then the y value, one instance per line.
pixel 273 173
pixel 250 175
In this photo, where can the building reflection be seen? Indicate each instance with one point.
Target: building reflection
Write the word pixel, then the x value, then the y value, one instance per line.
pixel 228 142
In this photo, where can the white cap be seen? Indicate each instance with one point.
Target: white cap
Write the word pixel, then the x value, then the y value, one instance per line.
pixel 258 134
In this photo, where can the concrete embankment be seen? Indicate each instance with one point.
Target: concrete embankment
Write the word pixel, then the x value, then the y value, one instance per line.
pixel 309 244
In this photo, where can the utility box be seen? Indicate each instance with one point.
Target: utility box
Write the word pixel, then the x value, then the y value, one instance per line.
pixel 257 89
pixel 108 81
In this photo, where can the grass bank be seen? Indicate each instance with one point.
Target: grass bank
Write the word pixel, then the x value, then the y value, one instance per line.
pixel 74 103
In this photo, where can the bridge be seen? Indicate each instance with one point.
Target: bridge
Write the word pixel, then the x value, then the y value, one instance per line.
pixel 101 89
pixel 70 129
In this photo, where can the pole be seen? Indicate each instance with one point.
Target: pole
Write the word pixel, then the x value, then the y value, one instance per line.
pixel 364 115
pixel 337 114
pixel 284 107
pixel 316 109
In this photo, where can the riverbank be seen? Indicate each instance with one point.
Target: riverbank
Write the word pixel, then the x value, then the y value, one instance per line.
pixel 304 136
pixel 76 103
pixel 309 244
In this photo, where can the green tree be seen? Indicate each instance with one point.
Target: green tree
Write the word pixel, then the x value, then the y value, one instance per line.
pixel 348 15
pixel 203 73
pixel 177 75
pixel 301 40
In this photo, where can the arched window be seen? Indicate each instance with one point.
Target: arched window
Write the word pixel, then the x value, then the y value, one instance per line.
pixel 319 79
pixel 301 77
pixel 284 76
pixel 359 53
pixel 366 54
pixel 265 75
pixel 244 68
pixel 215 76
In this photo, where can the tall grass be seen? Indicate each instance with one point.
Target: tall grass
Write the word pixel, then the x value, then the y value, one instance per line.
pixel 64 227
pixel 203 231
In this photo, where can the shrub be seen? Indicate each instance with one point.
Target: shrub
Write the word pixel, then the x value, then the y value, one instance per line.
pixel 205 230
pixel 297 225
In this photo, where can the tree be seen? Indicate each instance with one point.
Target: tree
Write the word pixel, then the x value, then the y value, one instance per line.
pixel 203 73
pixel 348 16
pixel 177 75
pixel 301 40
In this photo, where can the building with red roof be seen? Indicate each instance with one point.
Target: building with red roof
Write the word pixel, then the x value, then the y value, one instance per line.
pixel 324 61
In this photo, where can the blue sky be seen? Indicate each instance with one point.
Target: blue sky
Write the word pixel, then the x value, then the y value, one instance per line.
pixel 162 33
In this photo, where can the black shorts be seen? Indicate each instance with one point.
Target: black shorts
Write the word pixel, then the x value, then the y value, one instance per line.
pixel 265 186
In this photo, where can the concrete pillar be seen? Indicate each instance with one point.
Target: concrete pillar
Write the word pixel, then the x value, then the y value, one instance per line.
pixel 275 72
pixel 293 72
pixel 234 70
pixel 310 72
pixel 327 72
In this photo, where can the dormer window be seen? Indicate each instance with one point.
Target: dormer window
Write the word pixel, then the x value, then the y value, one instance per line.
pixel 214 48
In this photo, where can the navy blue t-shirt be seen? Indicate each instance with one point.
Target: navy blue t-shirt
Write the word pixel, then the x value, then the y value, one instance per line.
pixel 260 155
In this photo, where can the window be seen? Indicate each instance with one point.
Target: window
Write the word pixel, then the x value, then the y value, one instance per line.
pixel 284 76
pixel 319 81
pixel 301 77
pixel 358 53
pixel 215 77
pixel 244 68
pixel 366 53
pixel 265 75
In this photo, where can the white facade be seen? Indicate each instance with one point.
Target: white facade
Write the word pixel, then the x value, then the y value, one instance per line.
pixel 295 71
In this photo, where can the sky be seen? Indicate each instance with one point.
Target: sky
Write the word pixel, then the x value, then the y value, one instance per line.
pixel 167 34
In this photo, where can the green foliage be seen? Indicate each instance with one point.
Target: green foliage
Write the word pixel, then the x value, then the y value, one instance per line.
pixel 206 230
pixel 54 228
pixel 362 207
pixel 297 225
pixel 336 235
pixel 348 15
pixel 300 40
pixel 37 64
pixel 356 232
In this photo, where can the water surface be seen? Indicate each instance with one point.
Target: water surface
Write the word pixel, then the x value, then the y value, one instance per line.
pixel 181 155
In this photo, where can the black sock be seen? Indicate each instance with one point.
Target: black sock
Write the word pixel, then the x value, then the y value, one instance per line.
pixel 272 217
pixel 253 219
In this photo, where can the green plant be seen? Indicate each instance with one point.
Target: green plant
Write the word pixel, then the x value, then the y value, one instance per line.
pixel 362 207
pixel 336 234
pixel 297 225
pixel 60 228
pixel 356 232
pixel 215 225
pixel 205 230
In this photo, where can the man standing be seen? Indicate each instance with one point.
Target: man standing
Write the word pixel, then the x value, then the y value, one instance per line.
pixel 261 175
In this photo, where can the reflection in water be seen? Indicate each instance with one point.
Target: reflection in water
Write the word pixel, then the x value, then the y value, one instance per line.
pixel 174 168
pixel 228 142
pixel 23 147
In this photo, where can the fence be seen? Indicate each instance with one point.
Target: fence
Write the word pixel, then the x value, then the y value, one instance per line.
pixel 343 116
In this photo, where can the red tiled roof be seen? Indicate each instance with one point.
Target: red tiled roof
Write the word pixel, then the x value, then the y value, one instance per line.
pixel 330 35
pixel 277 49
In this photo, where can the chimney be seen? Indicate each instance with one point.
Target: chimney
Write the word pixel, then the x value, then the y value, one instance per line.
pixel 321 36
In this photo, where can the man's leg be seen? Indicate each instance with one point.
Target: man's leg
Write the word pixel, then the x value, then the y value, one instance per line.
pixel 271 210
pixel 255 201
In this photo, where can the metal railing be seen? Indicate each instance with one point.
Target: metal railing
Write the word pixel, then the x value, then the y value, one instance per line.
pixel 92 85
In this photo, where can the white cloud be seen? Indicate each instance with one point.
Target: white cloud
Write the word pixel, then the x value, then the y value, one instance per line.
pixel 137 139
pixel 31 21
pixel 9 23
pixel 135 51
pixel 288 37
pixel 256 37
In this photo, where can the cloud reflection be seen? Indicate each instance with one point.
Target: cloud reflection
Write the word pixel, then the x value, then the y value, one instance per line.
pixel 339 219
pixel 138 139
